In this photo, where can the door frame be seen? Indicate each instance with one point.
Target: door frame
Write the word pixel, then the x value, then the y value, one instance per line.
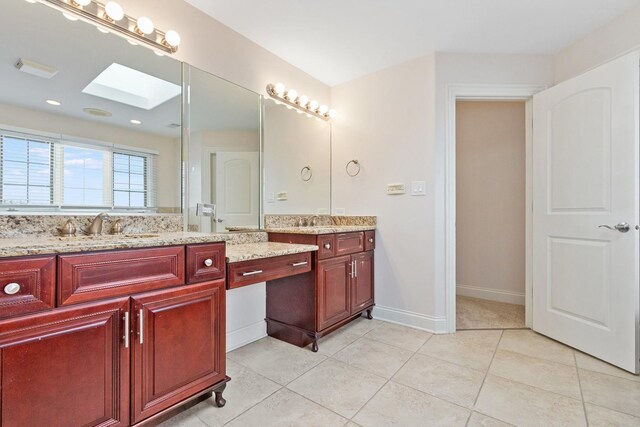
pixel 483 93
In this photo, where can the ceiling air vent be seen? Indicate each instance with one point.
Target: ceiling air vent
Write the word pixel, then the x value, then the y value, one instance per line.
pixel 97 112
pixel 35 69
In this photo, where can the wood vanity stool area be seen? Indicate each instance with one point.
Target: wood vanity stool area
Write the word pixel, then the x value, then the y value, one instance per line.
pixel 118 338
pixel 340 287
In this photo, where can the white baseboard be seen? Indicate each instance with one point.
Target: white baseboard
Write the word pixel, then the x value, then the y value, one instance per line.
pixel 490 294
pixel 435 325
pixel 246 335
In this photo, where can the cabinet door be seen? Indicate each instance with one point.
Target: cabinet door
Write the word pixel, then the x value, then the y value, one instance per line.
pixel 333 293
pixel 178 345
pixel 362 282
pixel 66 368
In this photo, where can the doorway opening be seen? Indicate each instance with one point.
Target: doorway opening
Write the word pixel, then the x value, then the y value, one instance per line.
pixel 490 214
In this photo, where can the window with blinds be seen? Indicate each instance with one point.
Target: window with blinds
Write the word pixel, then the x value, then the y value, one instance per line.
pixel 53 172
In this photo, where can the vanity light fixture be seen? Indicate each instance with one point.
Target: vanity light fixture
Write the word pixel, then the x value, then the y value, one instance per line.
pixel 291 99
pixel 110 17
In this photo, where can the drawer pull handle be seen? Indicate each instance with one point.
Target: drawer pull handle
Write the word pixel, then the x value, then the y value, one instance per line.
pixel 251 273
pixel 208 262
pixel 327 245
pixel 298 264
pixel 141 325
pixel 126 329
pixel 370 239
pixel 12 288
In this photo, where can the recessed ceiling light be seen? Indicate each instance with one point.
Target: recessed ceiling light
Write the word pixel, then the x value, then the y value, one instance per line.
pixel 135 122
pixel 97 112
pixel 53 102
pixel 132 87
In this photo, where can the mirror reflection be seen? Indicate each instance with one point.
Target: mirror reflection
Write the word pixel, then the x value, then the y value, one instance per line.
pixel 297 162
pixel 87 120
pixel 224 153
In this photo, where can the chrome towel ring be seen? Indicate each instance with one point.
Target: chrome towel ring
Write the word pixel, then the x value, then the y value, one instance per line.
pixel 306 173
pixel 353 170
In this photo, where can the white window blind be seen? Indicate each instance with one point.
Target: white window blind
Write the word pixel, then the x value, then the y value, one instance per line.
pixel 62 173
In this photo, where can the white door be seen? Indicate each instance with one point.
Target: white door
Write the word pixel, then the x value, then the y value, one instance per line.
pixel 585 174
pixel 237 182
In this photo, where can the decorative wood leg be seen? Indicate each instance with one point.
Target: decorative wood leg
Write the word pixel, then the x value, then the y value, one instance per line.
pixel 220 401
pixel 314 346
pixel 369 316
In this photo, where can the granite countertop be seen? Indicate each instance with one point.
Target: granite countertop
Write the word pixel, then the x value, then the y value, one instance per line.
pixel 250 251
pixel 322 229
pixel 38 244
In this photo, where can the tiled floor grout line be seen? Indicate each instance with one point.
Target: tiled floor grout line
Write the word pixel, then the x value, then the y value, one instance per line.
pixel 475 401
pixel 584 406
pixel 319 404
pixel 250 407
pixel 389 379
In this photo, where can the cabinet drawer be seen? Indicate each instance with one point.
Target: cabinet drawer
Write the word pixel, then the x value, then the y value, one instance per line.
pixel 369 240
pixel 327 245
pixel 91 276
pixel 349 243
pixel 205 262
pixel 27 285
pixel 260 270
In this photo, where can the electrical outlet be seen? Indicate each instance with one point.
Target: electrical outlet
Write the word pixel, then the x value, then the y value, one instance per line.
pixel 395 189
pixel 418 188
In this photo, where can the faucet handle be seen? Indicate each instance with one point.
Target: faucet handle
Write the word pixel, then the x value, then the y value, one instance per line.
pixel 118 227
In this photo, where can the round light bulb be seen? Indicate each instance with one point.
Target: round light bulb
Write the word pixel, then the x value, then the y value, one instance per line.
pixel 172 38
pixel 292 95
pixel 144 25
pixel 279 88
pixel 82 2
pixel 303 100
pixel 323 109
pixel 333 113
pixel 313 105
pixel 69 16
pixel 114 11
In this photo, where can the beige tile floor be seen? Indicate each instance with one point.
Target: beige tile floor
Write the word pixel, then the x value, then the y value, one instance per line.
pixel 476 313
pixel 373 373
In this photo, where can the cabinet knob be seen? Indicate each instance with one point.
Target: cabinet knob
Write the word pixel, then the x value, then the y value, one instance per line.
pixel 12 288
pixel 370 239
pixel 208 262
pixel 327 245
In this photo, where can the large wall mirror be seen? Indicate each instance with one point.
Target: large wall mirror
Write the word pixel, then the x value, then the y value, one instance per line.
pixel 223 152
pixel 87 120
pixel 297 162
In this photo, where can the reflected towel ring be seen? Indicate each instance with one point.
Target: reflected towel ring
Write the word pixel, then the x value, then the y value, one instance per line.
pixel 306 173
pixel 354 170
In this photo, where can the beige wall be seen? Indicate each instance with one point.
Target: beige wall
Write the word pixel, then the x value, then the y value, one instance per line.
pixel 394 122
pixel 490 200
pixel 609 41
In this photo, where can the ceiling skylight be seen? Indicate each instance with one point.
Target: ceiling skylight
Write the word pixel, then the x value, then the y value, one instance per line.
pixel 132 87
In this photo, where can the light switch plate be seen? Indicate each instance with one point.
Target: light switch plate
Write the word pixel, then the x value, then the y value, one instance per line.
pixel 282 195
pixel 395 188
pixel 418 188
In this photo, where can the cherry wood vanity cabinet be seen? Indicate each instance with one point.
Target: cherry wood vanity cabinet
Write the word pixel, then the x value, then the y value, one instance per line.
pixel 338 289
pixel 131 340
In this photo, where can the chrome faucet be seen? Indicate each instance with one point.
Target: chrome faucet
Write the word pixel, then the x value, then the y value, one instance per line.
pixel 95 228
